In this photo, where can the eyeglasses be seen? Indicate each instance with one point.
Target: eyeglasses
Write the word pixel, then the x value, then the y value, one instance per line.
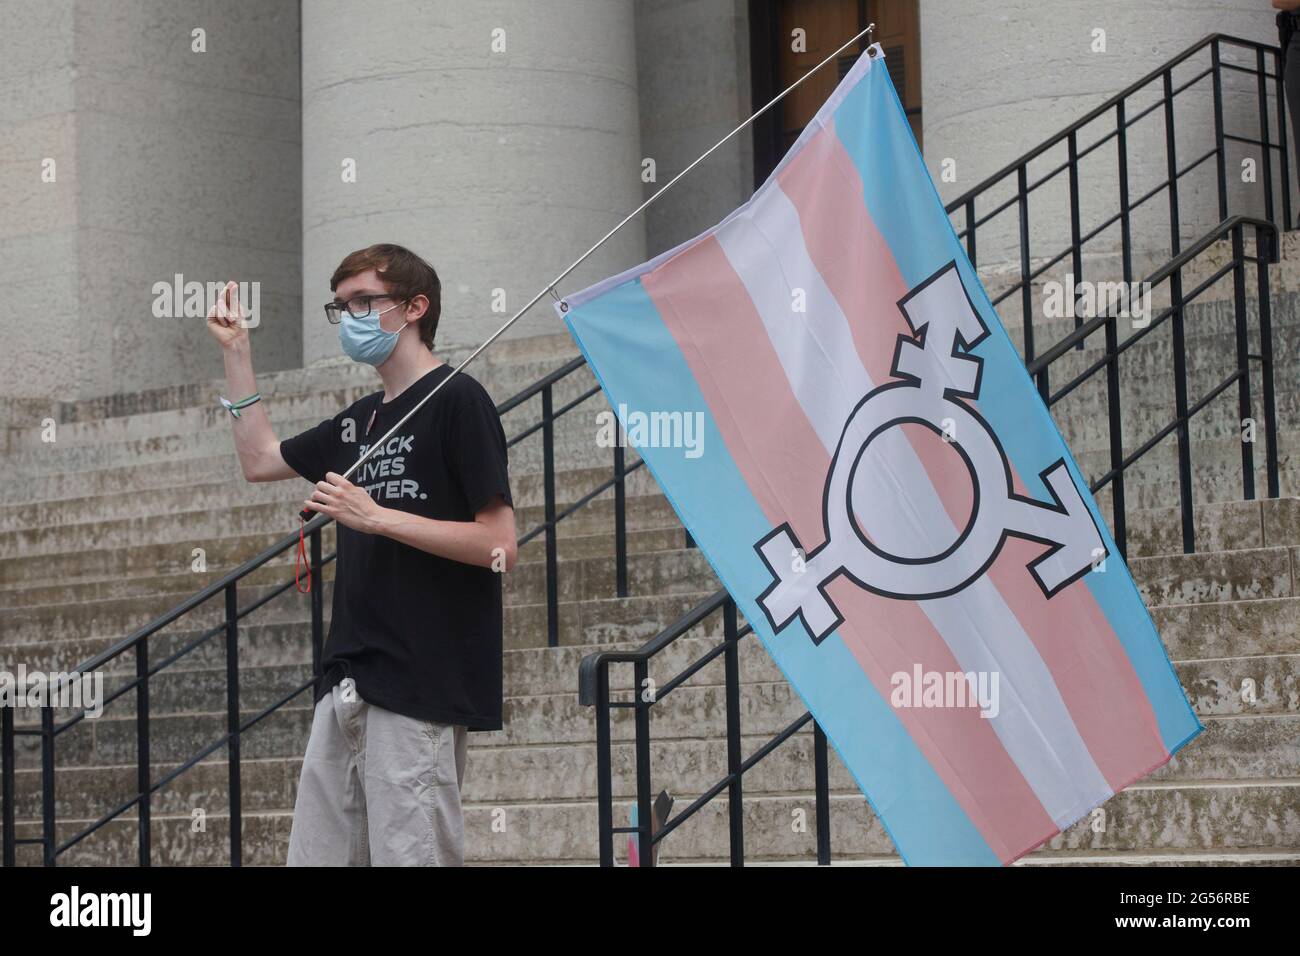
pixel 358 307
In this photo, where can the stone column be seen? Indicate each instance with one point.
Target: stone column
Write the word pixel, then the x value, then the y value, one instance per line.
pixel 144 140
pixel 498 139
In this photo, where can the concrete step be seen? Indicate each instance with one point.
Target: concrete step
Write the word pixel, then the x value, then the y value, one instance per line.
pixel 1230 634
pixel 53 641
pixel 1153 481
pixel 1224 526
pixel 1228 630
pixel 209 417
pixel 1247 575
pixel 1170 579
pixel 697 711
pixel 1210 358
pixel 553 349
pixel 190 707
pixel 279 515
pixel 287 621
pixel 176 577
pixel 1212 312
pixel 156 593
pixel 1237 525
pixel 218 495
pixel 284 401
pixel 114 618
pixel 659 573
pixel 1231 750
pixel 173 476
pixel 650 525
pixel 575 446
pixel 1089 429
pixel 1255 817
pixel 286 648
pixel 1261 738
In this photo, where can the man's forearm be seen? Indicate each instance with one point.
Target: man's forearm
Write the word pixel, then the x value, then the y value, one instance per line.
pixel 470 542
pixel 254 437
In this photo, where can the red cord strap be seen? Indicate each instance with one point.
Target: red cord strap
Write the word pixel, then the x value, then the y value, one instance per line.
pixel 300 562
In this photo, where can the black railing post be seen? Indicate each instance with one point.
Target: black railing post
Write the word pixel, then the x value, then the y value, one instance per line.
pixel 1125 215
pixel 604 769
pixel 822 777
pixel 1119 521
pixel 1283 143
pixel 735 789
pixel 548 490
pixel 1076 233
pixel 1243 363
pixel 1179 345
pixel 644 810
pixel 143 771
pixel 1266 360
pixel 1171 167
pixel 1026 290
pixel 1176 328
pixel 48 839
pixel 1221 157
pixel 232 723
pixel 1266 159
pixel 970 232
pixel 8 781
pixel 620 519
pixel 317 602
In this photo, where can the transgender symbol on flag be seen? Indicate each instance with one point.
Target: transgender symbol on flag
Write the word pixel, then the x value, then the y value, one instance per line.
pixel 931 379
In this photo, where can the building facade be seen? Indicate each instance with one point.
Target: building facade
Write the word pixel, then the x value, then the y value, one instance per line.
pixel 157 146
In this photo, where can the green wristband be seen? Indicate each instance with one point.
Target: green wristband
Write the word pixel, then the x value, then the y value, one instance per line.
pixel 234 407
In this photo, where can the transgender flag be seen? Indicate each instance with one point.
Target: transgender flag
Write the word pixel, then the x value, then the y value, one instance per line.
pixel 887 499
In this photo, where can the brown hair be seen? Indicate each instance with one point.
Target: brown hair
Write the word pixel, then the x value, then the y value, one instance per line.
pixel 405 276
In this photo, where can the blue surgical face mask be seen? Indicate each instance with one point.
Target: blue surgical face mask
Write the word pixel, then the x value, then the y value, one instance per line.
pixel 364 340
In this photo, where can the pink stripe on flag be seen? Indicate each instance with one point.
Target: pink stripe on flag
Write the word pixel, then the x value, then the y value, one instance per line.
pixel 723 340
pixel 858 267
pixel 1098 684
pixel 1097 681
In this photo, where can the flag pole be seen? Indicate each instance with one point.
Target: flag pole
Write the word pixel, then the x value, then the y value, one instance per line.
pixel 306 514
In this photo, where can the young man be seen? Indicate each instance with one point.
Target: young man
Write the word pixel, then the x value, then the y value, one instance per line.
pixel 414 657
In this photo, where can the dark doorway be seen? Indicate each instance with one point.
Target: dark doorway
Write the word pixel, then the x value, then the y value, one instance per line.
pixel 779 56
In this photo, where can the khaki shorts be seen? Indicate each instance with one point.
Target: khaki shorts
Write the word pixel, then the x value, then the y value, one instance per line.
pixel 378 788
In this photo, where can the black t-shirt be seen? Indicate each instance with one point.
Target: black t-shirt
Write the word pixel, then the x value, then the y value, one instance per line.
pixel 419 634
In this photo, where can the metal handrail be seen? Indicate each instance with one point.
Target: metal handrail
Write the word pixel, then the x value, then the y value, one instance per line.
pixel 199 597
pixel 1169 269
pixel 1266 253
pixel 1109 104
pixel 590 666
pixel 1032 265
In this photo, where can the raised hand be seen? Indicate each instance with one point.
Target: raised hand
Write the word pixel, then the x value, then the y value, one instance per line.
pixel 226 318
